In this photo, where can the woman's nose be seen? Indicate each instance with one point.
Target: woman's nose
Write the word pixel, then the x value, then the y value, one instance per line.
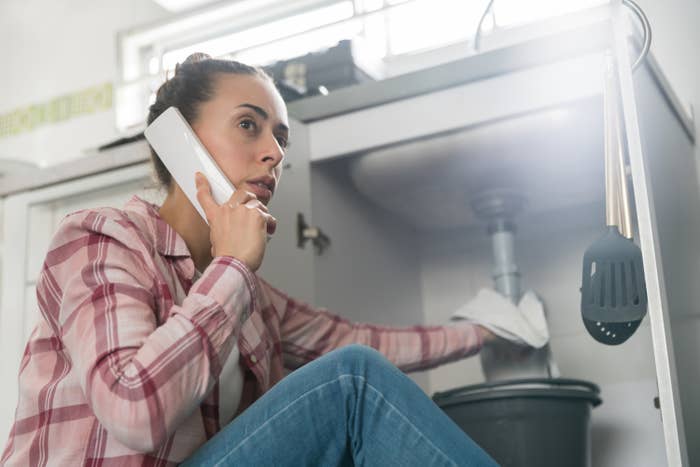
pixel 272 152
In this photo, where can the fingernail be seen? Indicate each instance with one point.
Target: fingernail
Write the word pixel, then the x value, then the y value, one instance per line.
pixel 198 178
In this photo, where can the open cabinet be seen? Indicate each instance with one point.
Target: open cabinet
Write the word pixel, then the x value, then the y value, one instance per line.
pixel 386 171
pixel 394 165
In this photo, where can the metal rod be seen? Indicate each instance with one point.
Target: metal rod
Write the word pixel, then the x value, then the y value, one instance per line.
pixel 477 34
pixel 612 213
pixel 646 28
pixel 623 195
pixel 636 9
pixel 617 200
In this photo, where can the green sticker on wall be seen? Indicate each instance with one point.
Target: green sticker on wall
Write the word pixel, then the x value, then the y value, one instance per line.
pixel 59 109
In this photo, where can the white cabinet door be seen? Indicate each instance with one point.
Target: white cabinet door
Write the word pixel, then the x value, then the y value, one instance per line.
pixel 666 196
pixel 670 223
pixel 287 266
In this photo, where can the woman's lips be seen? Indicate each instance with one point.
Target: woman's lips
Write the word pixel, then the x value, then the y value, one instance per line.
pixel 263 193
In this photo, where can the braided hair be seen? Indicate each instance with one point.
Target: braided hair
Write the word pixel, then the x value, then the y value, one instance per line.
pixel 190 86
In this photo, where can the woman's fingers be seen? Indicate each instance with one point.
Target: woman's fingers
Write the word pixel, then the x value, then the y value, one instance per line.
pixel 271 224
pixel 240 197
pixel 206 200
pixel 270 221
pixel 256 204
pixel 236 225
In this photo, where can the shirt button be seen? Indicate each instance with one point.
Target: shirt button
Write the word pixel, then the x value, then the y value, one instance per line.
pixel 254 359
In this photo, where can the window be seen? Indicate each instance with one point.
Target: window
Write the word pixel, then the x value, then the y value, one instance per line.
pixel 261 32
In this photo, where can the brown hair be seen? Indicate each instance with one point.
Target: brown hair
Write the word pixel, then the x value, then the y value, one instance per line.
pixel 192 85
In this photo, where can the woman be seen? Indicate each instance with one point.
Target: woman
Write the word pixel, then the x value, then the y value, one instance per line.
pixel 159 344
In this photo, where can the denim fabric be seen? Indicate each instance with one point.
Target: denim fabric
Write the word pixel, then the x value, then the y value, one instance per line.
pixel 349 407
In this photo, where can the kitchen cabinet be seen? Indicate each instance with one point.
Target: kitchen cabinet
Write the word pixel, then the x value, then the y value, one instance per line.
pixel 391 181
pixel 387 171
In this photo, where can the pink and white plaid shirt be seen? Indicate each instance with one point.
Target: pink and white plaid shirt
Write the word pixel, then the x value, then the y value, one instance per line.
pixel 123 367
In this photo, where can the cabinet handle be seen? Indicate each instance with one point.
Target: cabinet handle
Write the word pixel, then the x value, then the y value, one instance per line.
pixel 315 234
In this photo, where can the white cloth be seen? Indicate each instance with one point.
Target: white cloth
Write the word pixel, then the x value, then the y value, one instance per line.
pixel 523 324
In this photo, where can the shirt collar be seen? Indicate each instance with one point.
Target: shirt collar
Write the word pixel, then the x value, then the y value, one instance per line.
pixel 166 240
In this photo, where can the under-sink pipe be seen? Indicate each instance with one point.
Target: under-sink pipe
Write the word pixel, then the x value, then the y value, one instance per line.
pixel 506 275
pixel 502 360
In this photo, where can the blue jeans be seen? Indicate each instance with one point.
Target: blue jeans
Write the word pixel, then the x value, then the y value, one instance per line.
pixel 349 407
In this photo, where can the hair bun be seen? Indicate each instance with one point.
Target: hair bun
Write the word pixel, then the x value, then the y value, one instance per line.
pixel 192 59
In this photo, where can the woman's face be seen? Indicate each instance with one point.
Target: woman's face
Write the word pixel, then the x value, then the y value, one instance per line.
pixel 245 129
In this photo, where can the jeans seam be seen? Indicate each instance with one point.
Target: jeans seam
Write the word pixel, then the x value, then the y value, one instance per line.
pixel 286 407
pixel 406 420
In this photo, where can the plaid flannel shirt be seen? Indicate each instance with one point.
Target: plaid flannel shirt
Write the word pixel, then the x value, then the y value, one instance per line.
pixel 122 367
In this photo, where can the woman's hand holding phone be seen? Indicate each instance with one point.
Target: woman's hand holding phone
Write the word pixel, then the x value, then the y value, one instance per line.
pixel 239 227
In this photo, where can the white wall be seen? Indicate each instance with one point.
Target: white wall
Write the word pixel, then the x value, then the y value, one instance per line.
pixel 674 44
pixel 57 47
pixel 676 36
pixel 550 245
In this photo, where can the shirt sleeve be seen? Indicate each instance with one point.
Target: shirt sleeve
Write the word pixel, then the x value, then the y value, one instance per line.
pixel 308 333
pixel 141 378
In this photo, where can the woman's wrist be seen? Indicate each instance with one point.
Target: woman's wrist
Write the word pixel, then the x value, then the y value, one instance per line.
pixel 486 335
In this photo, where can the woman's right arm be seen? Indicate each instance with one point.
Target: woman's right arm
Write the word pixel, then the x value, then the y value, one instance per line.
pixel 141 380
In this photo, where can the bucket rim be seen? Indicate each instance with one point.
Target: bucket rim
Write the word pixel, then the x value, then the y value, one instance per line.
pixel 561 388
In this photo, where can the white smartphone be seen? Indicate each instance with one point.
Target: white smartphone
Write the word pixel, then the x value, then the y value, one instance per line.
pixel 183 154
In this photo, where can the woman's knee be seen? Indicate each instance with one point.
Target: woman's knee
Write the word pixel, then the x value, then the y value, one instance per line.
pixel 356 356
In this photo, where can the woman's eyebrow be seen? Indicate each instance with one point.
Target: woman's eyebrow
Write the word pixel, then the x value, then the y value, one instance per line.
pixel 260 111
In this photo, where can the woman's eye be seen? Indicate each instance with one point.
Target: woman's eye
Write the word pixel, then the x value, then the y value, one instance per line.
pixel 282 142
pixel 247 124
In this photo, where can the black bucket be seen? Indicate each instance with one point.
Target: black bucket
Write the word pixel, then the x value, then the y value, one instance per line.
pixel 527 422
